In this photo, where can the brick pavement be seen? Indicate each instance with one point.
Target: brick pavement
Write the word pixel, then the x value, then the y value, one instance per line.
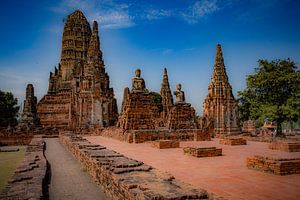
pixel 225 175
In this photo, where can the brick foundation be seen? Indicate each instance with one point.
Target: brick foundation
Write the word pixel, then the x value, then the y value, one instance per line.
pixel 31 179
pixel 23 138
pixel 165 144
pixel 288 146
pixel 233 141
pixel 203 152
pixel 279 166
pixel 124 178
pixel 140 136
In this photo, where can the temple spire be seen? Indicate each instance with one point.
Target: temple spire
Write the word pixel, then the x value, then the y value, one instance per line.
pixel 219 76
pixel 166 95
pixel 220 107
pixel 94 52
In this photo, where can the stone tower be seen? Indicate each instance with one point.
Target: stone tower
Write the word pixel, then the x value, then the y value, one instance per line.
pixel 220 105
pixel 79 94
pixel 75 43
pixel 29 119
pixel 166 95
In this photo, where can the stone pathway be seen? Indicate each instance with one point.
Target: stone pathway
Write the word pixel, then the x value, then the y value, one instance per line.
pixel 68 178
pixel 225 175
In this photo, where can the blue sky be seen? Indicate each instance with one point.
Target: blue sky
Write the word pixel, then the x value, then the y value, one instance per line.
pixel 178 34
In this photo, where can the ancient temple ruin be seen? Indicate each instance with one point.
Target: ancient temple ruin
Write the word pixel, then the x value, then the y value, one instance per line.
pixel 139 110
pixel 29 119
pixel 220 107
pixel 79 94
pixel 182 114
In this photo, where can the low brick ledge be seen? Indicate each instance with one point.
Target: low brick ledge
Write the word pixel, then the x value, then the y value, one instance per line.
pixel 278 166
pixel 165 144
pixel 233 141
pixel 31 178
pixel 124 178
pixel 287 146
pixel 203 151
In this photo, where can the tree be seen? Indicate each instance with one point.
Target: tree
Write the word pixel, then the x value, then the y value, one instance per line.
pixel 8 109
pixel 273 92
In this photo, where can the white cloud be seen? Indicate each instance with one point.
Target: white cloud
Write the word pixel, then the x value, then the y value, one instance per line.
pixel 154 14
pixel 200 9
pixel 108 13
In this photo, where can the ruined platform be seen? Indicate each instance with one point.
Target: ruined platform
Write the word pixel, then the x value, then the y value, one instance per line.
pixel 203 151
pixel 140 136
pixel 288 146
pixel 124 178
pixel 165 144
pixel 278 166
pixel 233 141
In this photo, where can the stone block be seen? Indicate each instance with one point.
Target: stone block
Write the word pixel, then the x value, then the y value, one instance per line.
pixel 203 151
pixel 288 146
pixel 278 166
pixel 233 141
pixel 165 144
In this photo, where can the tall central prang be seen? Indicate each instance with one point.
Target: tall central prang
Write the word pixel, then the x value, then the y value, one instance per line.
pixel 79 95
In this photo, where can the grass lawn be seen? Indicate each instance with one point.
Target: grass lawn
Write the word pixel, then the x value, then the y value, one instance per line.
pixel 9 161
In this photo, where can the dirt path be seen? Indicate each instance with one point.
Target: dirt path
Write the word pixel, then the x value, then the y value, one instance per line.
pixel 68 179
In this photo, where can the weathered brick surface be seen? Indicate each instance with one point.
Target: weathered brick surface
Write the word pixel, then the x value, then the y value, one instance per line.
pixel 140 136
pixel 233 141
pixel 182 116
pixel 23 138
pixel 249 126
pixel 124 178
pixel 165 144
pixel 289 146
pixel 30 180
pixel 139 111
pixel 258 139
pixel 203 152
pixel 278 166
pixel 53 110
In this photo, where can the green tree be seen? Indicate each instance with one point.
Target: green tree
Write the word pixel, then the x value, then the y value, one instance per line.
pixel 272 92
pixel 8 109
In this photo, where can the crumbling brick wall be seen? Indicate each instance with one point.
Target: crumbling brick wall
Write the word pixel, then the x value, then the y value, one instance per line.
pixel 31 178
pixel 124 178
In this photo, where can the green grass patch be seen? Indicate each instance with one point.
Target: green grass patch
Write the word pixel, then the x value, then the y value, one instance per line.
pixel 9 161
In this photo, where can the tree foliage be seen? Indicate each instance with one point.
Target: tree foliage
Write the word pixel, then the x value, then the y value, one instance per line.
pixel 273 92
pixel 8 109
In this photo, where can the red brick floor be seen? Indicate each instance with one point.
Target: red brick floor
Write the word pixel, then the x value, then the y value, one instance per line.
pixel 225 175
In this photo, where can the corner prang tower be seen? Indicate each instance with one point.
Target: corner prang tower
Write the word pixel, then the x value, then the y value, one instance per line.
pixel 220 105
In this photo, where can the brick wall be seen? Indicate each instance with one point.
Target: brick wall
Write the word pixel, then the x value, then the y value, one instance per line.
pixel 140 136
pixel 279 166
pixel 233 141
pixel 165 144
pixel 124 178
pixel 203 152
pixel 288 146
pixel 31 178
